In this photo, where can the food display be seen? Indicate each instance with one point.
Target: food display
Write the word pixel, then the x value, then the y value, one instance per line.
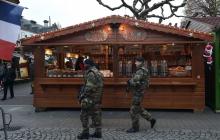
pixel 64 73
pixel 107 73
pixel 177 71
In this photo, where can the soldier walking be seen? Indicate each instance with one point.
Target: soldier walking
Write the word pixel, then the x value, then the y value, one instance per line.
pixel 137 84
pixel 90 99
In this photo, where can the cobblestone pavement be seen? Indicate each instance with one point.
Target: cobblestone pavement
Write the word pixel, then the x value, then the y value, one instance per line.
pixel 64 124
pixel 22 95
pixel 112 134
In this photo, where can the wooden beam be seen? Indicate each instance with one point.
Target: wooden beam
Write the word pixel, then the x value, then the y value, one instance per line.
pixel 115 43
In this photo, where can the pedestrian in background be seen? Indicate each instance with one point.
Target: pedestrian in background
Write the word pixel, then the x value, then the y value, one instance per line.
pixel 31 71
pixel 9 76
pixel 79 65
pixel 90 99
pixel 1 74
pixel 137 85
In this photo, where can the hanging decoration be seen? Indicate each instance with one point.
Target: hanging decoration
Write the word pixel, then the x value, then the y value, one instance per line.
pixel 208 54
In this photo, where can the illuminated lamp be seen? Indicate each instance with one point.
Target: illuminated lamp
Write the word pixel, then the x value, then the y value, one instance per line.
pixel 109 28
pixel 71 55
pixel 48 52
pixel 76 56
pixel 68 55
pixel 121 28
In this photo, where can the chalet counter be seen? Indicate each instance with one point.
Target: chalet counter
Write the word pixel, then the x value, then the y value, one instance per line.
pixel 163 93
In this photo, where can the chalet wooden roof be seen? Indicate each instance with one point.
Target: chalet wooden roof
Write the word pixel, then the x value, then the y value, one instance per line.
pixel 118 19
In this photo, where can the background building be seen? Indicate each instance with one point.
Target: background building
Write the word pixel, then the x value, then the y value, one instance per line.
pixel 23 59
pixel 204 24
pixel 31 27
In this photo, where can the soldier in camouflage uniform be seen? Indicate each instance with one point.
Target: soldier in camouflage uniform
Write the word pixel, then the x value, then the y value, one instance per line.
pixel 137 85
pixel 90 100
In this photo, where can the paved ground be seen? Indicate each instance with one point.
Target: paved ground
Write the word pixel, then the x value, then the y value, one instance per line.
pixel 22 95
pixel 64 124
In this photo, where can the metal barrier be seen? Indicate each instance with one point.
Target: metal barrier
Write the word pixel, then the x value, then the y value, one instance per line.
pixel 5 125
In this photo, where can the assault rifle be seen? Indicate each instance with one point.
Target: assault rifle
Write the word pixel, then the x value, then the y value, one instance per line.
pixel 128 88
pixel 81 93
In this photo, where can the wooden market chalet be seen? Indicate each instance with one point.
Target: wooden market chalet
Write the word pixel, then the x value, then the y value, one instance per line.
pixel 173 56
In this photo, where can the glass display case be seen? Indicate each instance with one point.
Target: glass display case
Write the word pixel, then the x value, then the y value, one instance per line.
pixel 161 60
pixel 68 61
pixel 169 60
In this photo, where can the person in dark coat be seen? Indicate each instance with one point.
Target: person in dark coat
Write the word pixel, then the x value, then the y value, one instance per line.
pixel 1 74
pixel 79 63
pixel 8 80
pixel 1 70
pixel 31 71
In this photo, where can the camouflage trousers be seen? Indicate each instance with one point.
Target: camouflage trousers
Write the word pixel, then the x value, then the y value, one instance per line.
pixel 90 110
pixel 136 111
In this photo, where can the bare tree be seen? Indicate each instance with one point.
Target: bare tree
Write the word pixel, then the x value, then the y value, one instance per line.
pixel 202 8
pixel 144 9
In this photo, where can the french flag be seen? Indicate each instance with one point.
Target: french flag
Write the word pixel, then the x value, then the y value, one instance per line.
pixel 10 24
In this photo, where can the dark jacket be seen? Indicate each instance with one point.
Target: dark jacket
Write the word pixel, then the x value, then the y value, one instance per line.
pixel 79 64
pixel 1 71
pixel 9 75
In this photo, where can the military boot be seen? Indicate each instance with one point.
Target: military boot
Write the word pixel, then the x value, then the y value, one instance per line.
pixel 83 136
pixel 97 133
pixel 152 123
pixel 132 130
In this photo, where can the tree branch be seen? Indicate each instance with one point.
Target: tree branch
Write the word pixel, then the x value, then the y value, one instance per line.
pixel 135 2
pixel 110 8
pixel 131 9
pixel 144 11
pixel 203 8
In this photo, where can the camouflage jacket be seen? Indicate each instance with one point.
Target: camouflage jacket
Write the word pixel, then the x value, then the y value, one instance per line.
pixel 140 79
pixel 93 83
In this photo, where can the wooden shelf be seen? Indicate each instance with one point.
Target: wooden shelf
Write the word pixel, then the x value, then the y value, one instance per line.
pixel 98 55
pixel 174 83
pixel 118 81
pixel 157 84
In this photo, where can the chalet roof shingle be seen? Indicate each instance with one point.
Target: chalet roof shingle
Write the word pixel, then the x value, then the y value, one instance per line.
pixel 214 21
pixel 118 19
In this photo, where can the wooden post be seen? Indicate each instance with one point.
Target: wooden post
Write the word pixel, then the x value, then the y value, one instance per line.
pixel 197 56
pixel 115 60
pixel 39 68
pixel 217 70
pixel 106 57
